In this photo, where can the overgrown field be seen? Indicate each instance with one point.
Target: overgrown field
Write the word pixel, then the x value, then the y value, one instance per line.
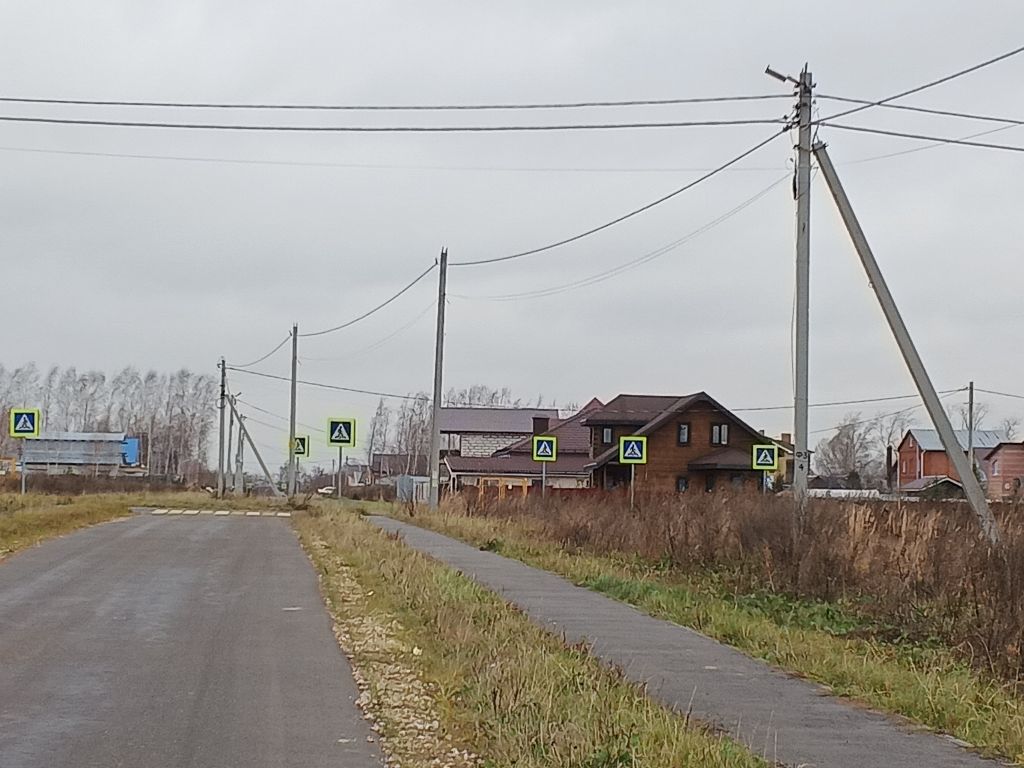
pixel 903 609
pixel 503 691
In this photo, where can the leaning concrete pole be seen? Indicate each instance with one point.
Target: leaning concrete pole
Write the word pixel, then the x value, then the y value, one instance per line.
pixel 972 488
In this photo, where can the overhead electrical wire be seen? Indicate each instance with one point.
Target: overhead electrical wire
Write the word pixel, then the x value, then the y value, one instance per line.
pixel 999 394
pixel 272 414
pixel 376 309
pixel 624 217
pixel 908 409
pixel 271 352
pixel 326 386
pixel 925 110
pixel 395 107
pixel 647 257
pixel 377 344
pixel 389 128
pixel 933 145
pixel 924 137
pixel 931 84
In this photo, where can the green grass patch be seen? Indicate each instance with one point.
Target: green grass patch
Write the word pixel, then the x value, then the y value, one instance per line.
pixel 505 689
pixel 832 644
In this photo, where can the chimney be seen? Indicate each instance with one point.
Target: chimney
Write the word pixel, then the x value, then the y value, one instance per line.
pixel 540 425
pixel 787 438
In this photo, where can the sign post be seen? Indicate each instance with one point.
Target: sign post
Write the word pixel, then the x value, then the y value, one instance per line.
pixel 25 423
pixel 545 449
pixel 766 459
pixel 342 433
pixel 632 451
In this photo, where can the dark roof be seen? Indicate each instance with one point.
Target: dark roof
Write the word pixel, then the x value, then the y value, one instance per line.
pixel 631 409
pixel 572 436
pixel 677 406
pixel 516 464
pixel 724 458
pixel 926 483
pixel 493 420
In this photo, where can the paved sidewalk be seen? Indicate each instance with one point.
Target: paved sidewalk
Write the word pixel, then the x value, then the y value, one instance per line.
pixel 783 718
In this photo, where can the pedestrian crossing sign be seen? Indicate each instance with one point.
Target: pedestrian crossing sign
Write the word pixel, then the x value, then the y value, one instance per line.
pixel 545 448
pixel 632 449
pixel 341 433
pixel 301 445
pixel 25 422
pixel 765 457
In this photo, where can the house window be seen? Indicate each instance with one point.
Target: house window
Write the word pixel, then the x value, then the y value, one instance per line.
pixel 904 466
pixel 995 467
pixel 719 434
pixel 606 435
pixel 682 483
pixel 683 434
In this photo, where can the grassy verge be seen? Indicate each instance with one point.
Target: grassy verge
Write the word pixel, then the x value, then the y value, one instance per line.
pixel 825 642
pixel 498 690
pixel 27 520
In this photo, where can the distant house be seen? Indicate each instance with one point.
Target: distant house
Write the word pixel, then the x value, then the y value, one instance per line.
pixel 1005 471
pixel 82 453
pixel 921 456
pixel 512 468
pixel 384 467
pixel 694 444
pixel 480 432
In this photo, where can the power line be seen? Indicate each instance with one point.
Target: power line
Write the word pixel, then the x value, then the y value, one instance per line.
pixel 931 84
pixel 999 394
pixel 394 107
pixel 257 362
pixel 377 344
pixel 933 145
pixel 326 386
pixel 379 307
pixel 908 409
pixel 626 216
pixel 390 128
pixel 647 257
pixel 862 401
pixel 272 414
pixel 927 111
pixel 380 166
pixel 923 137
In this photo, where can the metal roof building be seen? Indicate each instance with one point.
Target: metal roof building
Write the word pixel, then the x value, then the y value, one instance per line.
pixel 76 452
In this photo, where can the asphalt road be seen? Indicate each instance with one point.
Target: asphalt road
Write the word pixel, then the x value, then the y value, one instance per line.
pixel 785 719
pixel 167 642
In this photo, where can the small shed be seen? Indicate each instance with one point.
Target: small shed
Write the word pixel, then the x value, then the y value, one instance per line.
pixel 77 453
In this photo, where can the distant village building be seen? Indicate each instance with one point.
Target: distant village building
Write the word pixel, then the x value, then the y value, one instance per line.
pixel 83 453
pixel 481 432
pixel 924 468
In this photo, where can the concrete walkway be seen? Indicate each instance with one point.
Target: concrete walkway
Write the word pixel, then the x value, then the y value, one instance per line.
pixel 780 717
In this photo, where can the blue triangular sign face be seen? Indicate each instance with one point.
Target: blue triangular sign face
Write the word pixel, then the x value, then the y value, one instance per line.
pixel 340 434
pixel 543 447
pixel 765 458
pixel 633 450
pixel 25 423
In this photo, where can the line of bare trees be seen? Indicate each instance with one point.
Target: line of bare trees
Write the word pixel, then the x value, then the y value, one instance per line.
pixel 174 413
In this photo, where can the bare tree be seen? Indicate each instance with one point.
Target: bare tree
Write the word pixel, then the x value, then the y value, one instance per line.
pixel 1010 425
pixel 850 451
pixel 960 412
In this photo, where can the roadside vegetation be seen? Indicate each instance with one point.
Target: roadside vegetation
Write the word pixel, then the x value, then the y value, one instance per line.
pixel 485 686
pixel 901 609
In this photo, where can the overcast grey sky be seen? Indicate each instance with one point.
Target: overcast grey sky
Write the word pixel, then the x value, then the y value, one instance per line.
pixel 164 263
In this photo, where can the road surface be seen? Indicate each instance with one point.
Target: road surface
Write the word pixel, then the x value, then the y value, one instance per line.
pixel 173 642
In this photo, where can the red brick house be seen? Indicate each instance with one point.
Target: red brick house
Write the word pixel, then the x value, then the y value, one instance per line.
pixel 694 444
pixel 1005 471
pixel 921 456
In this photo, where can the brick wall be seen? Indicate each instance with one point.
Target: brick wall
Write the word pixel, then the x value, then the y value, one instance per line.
pixel 487 444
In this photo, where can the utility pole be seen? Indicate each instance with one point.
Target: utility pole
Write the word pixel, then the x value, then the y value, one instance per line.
pixel 435 419
pixel 220 453
pixel 239 457
pixel 228 474
pixel 970 427
pixel 256 452
pixel 291 420
pixel 972 488
pixel 802 455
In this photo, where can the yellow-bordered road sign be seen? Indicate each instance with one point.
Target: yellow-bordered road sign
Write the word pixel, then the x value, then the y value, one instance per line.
pixel 765 457
pixel 25 422
pixel 341 432
pixel 545 448
pixel 301 446
pixel 633 449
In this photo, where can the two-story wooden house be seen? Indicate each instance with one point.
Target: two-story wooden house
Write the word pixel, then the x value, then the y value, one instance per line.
pixel 694 444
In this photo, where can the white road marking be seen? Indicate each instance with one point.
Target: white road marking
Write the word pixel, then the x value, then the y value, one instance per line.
pixel 158 511
pixel 238 512
pixel 205 511
pixel 252 514
pixel 221 512
pixel 174 511
pixel 284 514
pixel 191 512
pixel 292 608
